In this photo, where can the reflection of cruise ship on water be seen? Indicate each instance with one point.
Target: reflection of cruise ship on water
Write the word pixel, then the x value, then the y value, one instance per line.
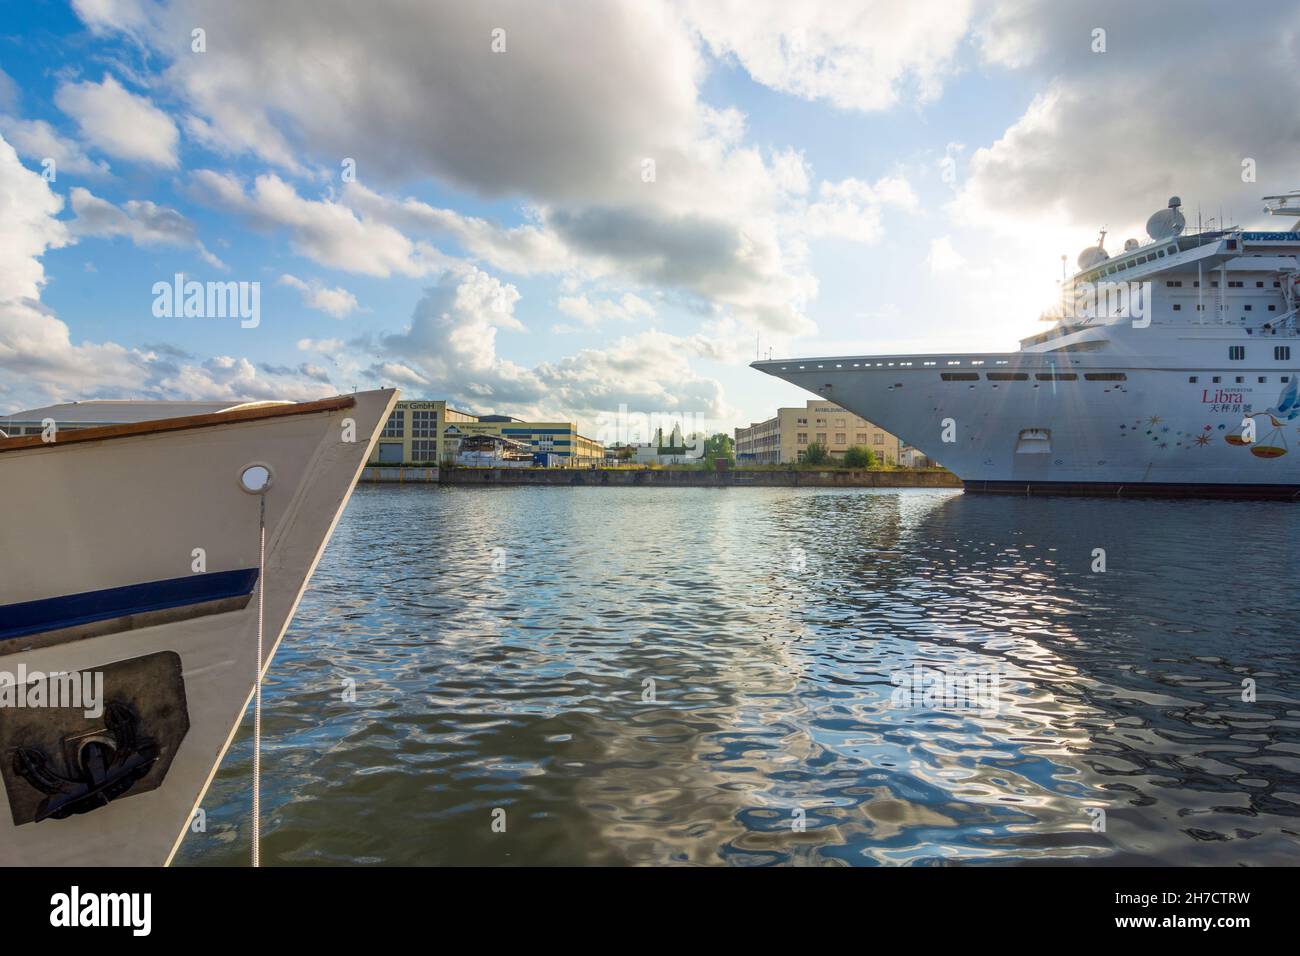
pixel 1173 370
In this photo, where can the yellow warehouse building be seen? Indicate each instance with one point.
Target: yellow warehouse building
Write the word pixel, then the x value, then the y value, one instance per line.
pixel 786 437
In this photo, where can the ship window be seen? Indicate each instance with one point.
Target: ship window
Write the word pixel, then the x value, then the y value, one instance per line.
pixel 1263 379
pixel 1214 284
pixel 1272 308
pixel 1196 284
pixel 1191 379
pixel 1174 283
pixel 1234 285
pixel 1282 353
pixel 1241 379
pixel 1236 353
pixel 960 376
pixel 1177 307
pixel 1259 285
pixel 1277 285
pixel 1249 308
pixel 1007 376
pixel 1216 380
pixel 1055 376
pixel 1105 376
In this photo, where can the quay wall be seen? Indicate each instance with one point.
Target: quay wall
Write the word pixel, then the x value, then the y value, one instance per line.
pixel 700 479
pixel 399 474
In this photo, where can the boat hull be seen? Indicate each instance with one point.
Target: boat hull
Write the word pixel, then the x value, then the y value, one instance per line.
pixel 138 553
pixel 1072 426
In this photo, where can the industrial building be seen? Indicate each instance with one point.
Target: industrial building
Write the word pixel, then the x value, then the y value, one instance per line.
pixel 493 451
pixel 786 437
pixel 430 432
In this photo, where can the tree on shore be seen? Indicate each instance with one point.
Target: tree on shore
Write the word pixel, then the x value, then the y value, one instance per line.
pixel 860 456
pixel 816 454
pixel 719 446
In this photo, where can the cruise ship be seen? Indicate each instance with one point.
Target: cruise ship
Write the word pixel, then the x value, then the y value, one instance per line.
pixel 1171 369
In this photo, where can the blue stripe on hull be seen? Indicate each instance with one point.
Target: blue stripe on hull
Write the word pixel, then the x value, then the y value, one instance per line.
pixel 73 610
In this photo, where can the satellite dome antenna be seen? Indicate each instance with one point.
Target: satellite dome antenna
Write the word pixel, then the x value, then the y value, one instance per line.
pixel 1094 254
pixel 1168 222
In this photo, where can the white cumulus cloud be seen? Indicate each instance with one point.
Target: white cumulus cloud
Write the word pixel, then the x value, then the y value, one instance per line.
pixel 120 122
pixel 337 301
pixel 38 140
pixel 143 222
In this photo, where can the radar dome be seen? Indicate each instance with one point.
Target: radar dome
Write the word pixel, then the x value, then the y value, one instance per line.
pixel 1167 222
pixel 1130 245
pixel 1091 256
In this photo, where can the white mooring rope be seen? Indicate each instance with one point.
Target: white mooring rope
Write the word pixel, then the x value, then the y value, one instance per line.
pixel 257 689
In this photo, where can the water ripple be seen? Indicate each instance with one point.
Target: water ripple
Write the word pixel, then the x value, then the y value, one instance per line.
pixel 702 676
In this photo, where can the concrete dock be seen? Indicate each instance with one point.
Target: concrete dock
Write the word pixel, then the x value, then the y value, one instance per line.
pixel 929 478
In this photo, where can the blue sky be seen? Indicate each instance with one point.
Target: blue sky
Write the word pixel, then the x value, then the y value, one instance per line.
pixel 500 245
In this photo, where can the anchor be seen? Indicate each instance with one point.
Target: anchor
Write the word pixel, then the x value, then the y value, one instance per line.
pixel 105 766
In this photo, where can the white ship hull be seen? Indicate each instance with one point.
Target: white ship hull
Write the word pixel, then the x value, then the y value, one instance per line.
pixel 136 557
pixel 1154 431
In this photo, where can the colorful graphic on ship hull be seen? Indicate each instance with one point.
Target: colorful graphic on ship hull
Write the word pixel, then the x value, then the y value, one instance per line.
pixel 1272 444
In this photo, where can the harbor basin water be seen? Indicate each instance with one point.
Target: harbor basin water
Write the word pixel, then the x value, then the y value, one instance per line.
pixel 587 675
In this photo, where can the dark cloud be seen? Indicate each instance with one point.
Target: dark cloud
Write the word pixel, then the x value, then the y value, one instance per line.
pixel 1174 105
pixel 582 91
